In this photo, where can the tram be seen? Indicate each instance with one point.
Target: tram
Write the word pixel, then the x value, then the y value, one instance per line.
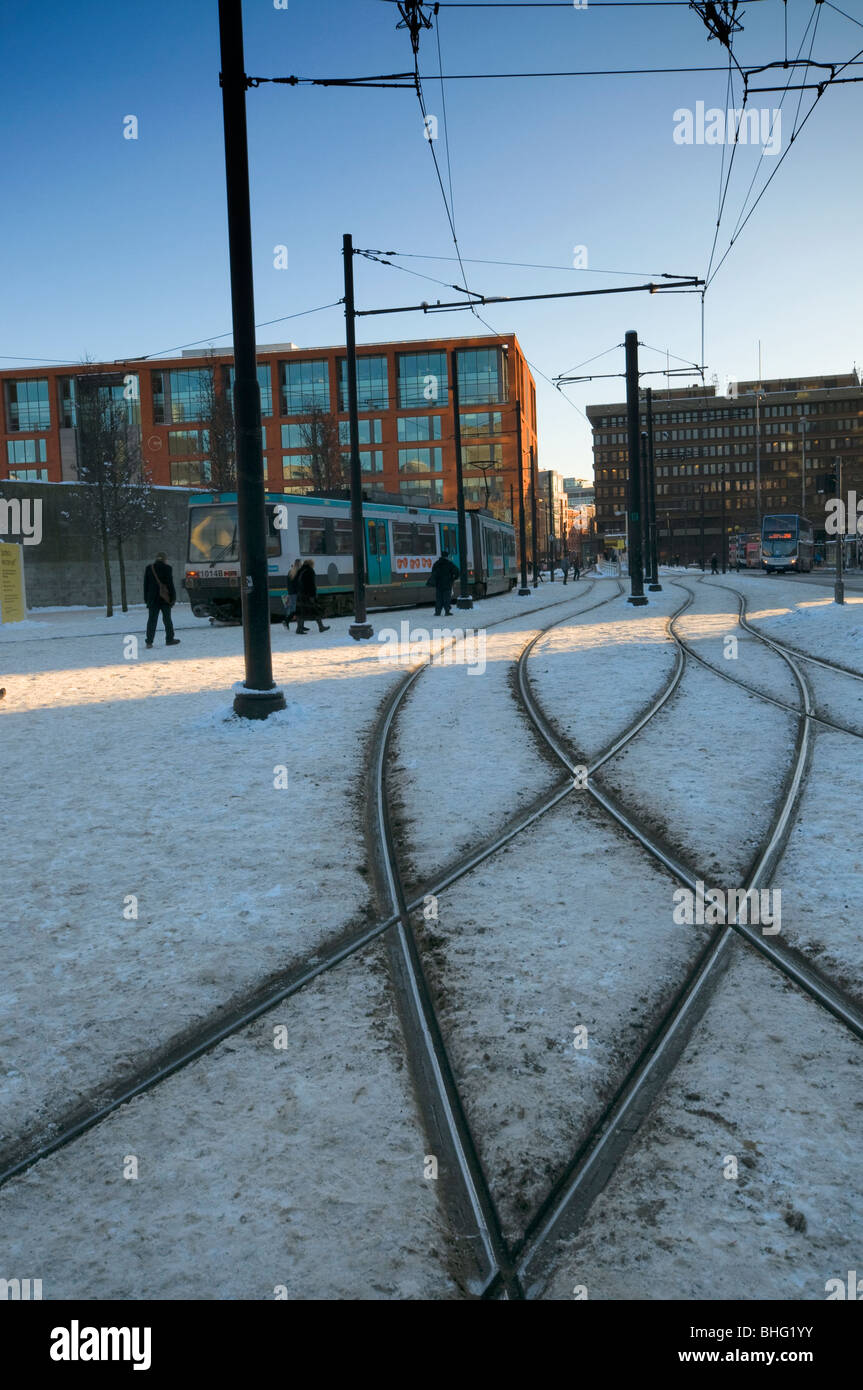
pixel 401 545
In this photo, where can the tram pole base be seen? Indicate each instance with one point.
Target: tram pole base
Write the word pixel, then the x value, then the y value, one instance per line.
pixel 838 592
pixel 257 704
pixel 637 599
pixel 466 602
pixel 524 593
pixel 655 588
pixel 361 630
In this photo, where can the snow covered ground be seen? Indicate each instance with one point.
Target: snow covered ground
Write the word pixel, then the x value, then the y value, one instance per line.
pixel 772 1082
pixel 161 869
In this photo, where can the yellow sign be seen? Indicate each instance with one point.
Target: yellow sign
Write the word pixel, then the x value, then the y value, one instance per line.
pixel 13 608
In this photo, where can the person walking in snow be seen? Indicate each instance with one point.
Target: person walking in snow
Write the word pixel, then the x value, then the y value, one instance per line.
pixel 443 576
pixel 160 597
pixel 714 563
pixel 576 570
pixel 307 598
pixel 564 565
pixel 291 595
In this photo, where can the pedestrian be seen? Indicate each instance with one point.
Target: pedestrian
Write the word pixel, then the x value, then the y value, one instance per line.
pixel 564 565
pixel 160 597
pixel 291 594
pixel 576 569
pixel 443 576
pixel 307 598
pixel 714 563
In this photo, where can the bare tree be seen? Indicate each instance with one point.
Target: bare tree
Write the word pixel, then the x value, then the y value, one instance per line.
pixel 116 496
pixel 321 440
pixel 217 418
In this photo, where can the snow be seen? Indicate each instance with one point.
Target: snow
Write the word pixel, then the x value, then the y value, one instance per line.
pixel 129 780
pixel 772 1081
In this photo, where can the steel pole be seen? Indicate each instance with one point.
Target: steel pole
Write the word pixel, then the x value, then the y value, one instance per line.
pixel 533 518
pixel 551 537
pixel 259 696
pixel 360 627
pixel 522 529
pixel 465 600
pixel 636 595
pixel 654 584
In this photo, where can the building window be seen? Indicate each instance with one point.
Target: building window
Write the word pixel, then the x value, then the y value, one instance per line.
pixel 27 404
pixel 489 422
pixel 373 392
pixel 414 428
pixel 68 414
pixel 369 432
pixel 305 386
pixel 297 468
pixel 265 382
pixel 28 475
pixel 371 461
pixel 420 461
pixel 479 375
pixel 26 451
pixel 188 444
pixel 482 455
pixel 190 472
pixel 422 379
pixel 181 395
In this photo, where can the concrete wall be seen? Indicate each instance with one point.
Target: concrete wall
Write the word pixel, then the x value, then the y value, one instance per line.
pixel 66 566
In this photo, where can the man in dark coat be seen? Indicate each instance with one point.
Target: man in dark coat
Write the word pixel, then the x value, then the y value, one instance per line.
pixel 307 598
pixel 160 597
pixel 443 575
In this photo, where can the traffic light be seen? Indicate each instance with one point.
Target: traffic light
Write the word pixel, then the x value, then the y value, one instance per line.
pixel 826 484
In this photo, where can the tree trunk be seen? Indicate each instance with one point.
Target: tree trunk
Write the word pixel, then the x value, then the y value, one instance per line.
pixel 103 529
pixel 123 601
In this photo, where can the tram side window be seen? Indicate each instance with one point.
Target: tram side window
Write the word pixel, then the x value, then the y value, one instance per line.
pixel 343 538
pixel 274 536
pixel 410 538
pixel 449 538
pixel 313 539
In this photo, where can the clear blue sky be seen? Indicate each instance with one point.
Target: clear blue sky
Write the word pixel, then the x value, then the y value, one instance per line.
pixel 113 247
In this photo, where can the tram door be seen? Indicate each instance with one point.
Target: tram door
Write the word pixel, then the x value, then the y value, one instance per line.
pixel 378 552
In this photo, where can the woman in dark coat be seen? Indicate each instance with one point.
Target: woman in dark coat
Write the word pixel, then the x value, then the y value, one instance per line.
pixel 307 598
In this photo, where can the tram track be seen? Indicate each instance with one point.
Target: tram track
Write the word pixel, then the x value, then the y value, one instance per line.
pixel 49 1136
pixel 601 1151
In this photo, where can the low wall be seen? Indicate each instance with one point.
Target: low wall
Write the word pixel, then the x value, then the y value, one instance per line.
pixel 66 567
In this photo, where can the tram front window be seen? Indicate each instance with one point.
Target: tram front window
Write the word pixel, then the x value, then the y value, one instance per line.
pixel 213 534
pixel 778 546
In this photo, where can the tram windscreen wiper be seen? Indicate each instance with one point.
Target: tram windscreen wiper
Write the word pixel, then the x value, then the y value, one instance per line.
pixel 225 548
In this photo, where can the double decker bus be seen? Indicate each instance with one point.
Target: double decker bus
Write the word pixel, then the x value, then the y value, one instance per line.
pixel 786 543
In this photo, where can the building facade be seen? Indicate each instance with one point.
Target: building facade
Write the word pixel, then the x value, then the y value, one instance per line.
pixel 179 407
pixel 733 458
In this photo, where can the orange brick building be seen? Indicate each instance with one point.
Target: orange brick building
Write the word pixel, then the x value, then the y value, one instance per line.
pixel 405 410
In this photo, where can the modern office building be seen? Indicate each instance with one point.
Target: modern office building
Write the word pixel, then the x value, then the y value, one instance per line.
pixel 736 457
pixel 178 409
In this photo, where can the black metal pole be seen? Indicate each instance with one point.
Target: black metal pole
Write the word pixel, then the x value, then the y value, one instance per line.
pixel 465 600
pixel 533 522
pixel 645 540
pixel 550 529
pixel 724 528
pixel 259 696
pixel 360 627
pixel 522 530
pixel 838 583
pixel 670 539
pixel 702 531
pixel 653 534
pixel 636 578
